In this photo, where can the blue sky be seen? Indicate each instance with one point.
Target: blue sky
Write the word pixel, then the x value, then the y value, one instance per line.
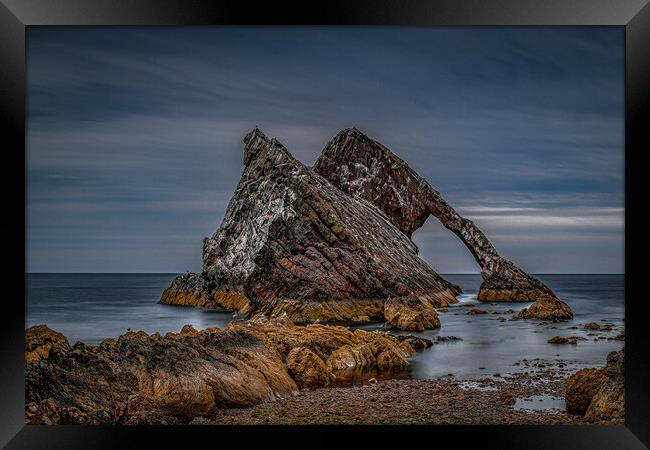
pixel 134 134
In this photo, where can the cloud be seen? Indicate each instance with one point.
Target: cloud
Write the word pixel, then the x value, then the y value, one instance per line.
pixel 135 134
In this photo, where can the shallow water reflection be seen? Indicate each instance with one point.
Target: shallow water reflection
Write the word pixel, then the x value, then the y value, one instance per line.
pixel 540 403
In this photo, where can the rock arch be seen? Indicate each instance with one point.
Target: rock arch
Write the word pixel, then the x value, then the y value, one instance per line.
pixel 363 167
pixel 332 242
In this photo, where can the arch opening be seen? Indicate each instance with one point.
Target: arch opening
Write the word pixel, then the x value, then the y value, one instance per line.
pixel 446 254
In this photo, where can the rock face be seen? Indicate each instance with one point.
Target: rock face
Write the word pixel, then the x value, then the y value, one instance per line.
pixel 332 243
pixel 153 379
pixel 581 388
pixel 366 169
pixel 292 242
pixel 599 394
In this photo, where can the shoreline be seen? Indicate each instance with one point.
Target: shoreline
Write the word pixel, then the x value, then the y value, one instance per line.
pixel 382 391
pixel 416 401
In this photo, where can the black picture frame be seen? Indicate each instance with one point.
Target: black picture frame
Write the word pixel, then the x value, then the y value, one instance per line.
pixel 16 15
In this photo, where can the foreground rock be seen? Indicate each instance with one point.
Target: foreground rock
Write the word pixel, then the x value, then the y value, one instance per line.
pixel 41 341
pixel 599 394
pixel 307 368
pixel 608 405
pixel 581 388
pixel 293 243
pixel 341 349
pixel 366 169
pixel 174 378
pixel 153 379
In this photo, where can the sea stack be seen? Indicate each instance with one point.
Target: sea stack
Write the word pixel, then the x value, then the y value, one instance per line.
pixel 332 243
pixel 293 243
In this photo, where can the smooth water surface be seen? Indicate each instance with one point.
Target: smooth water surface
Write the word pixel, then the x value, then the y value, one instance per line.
pixel 92 307
pixel 490 346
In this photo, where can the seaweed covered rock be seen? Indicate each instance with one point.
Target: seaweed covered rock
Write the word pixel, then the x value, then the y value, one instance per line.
pixel 340 348
pixel 188 289
pixel 563 340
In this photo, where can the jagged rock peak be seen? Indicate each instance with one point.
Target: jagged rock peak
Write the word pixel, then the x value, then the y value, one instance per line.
pixel 291 241
pixel 256 144
pixel 353 139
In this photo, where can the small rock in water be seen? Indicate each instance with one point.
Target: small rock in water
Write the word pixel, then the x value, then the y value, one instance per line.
pixel 563 340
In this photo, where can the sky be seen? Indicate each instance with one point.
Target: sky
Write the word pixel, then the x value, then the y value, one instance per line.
pixel 134 135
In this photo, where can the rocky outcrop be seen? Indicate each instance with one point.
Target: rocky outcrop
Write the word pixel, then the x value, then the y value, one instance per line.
pixel 608 405
pixel 191 289
pixel 342 349
pixel 332 243
pixel 599 394
pixel 411 314
pixel 176 375
pixel 368 170
pixel 41 341
pixel 294 243
pixel 546 308
pixel 563 340
pixel 154 379
pixel 307 368
pixel 581 387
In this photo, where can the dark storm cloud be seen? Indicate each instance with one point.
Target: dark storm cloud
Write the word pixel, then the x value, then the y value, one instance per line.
pixel 134 135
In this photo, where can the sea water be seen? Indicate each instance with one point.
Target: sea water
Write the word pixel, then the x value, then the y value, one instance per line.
pixel 91 307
